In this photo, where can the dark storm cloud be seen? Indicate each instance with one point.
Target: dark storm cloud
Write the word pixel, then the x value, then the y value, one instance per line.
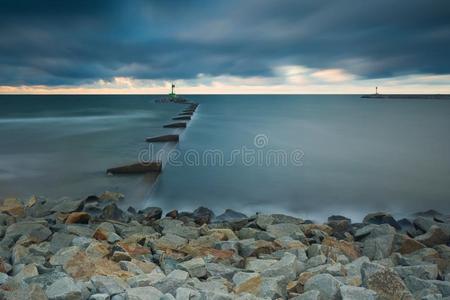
pixel 73 42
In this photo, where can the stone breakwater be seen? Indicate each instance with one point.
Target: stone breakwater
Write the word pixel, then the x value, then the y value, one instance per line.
pixel 92 249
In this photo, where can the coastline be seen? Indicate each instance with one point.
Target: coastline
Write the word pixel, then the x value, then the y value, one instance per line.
pixel 408 96
pixel 91 249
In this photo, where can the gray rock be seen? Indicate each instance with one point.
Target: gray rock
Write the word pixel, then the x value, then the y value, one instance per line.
pixel 108 285
pixel 379 218
pixel 251 247
pixel 316 261
pixel 309 295
pixel 288 266
pixel 3 278
pixel 202 215
pixel 349 292
pixel 247 233
pixel 177 227
pixel 63 289
pixel 384 281
pixel 174 280
pixel 286 229
pixel 262 221
pixel 314 250
pixel 434 236
pixel 80 230
pixel 82 242
pixel 443 286
pixel 416 284
pixel 273 287
pixel 379 243
pixel 143 293
pixel 130 267
pixel 220 270
pixel 66 205
pixel 46 279
pixel 99 297
pixel 428 271
pixel 195 267
pixel 60 240
pixel 64 255
pixel 230 216
pixel 327 285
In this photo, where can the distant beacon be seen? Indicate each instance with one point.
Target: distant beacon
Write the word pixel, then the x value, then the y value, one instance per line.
pixel 172 93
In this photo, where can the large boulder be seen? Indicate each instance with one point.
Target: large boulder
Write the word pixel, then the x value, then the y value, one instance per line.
pixel 434 236
pixel 384 281
pixel 202 215
pixel 379 218
pixel 379 243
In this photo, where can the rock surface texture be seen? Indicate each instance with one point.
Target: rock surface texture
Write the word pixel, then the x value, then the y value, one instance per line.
pixel 70 249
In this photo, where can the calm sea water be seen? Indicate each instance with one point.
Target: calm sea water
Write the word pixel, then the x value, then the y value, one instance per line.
pixel 358 155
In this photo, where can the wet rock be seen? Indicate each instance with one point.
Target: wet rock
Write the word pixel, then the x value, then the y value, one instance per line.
pixel 163 138
pixel 138 168
pixel 78 217
pixel 203 215
pixel 172 214
pixel 327 285
pixel 195 267
pixel 67 205
pixel 349 292
pixel 434 236
pixel 230 216
pixel 176 125
pixel 113 212
pixel 379 218
pixel 151 214
pixel 111 196
pixel 12 207
pixel 63 288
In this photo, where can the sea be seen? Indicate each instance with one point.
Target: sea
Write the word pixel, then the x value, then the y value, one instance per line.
pixel 305 155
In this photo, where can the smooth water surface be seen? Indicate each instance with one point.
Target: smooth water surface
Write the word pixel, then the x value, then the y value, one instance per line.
pixel 359 155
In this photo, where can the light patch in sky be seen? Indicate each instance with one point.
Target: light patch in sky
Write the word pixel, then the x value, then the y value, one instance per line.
pixel 289 79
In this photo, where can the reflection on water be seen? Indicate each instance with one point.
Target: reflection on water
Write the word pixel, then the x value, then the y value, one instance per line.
pixel 360 155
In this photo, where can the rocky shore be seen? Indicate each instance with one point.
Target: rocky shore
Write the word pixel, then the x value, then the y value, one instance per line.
pixel 91 249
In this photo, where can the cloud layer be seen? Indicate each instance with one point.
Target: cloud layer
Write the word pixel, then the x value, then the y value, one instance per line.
pixel 83 43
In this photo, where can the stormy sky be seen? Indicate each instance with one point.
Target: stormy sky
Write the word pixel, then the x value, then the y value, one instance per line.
pixel 294 44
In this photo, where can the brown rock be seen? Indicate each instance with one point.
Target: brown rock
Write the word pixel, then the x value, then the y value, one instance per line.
pixel 119 256
pixel 409 245
pixel 78 217
pixel 13 207
pixel 172 214
pixel 100 234
pixel 134 249
pixel 388 285
pixel 434 236
pixel 81 266
pixel 335 247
